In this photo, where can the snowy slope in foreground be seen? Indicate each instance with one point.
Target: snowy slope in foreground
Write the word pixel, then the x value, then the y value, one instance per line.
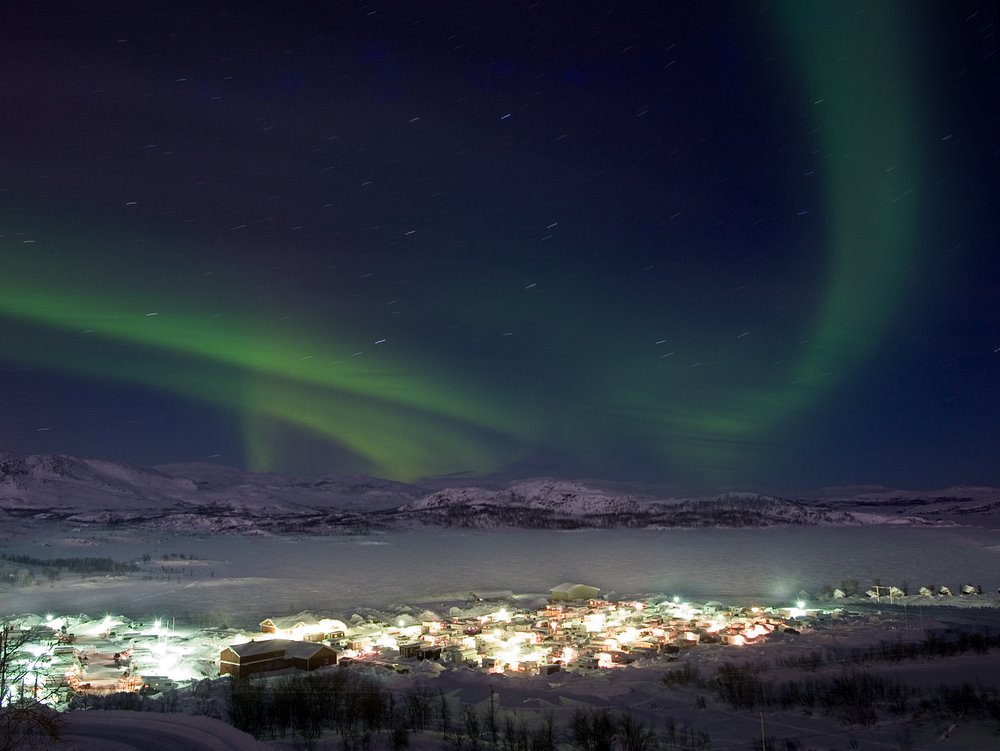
pixel 117 729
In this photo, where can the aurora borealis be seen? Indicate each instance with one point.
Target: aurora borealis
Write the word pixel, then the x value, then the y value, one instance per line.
pixel 734 246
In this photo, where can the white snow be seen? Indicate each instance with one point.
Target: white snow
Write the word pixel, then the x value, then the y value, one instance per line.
pixel 239 580
pixel 147 731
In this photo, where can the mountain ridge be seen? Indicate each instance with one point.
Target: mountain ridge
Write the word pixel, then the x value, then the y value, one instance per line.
pixel 215 497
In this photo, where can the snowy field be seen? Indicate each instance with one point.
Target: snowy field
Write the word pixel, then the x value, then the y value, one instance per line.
pixel 243 579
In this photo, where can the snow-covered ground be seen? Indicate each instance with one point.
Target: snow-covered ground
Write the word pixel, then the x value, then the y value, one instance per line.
pixel 640 690
pixel 241 580
pixel 199 577
pixel 143 731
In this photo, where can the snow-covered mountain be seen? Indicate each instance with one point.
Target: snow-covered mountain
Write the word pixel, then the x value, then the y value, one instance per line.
pixel 562 496
pixel 68 479
pixel 213 498
pixel 568 505
pixel 961 504
pixel 339 492
pixel 187 496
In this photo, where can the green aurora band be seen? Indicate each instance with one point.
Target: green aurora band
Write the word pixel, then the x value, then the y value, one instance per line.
pixel 394 418
pixel 856 73
pixel 388 413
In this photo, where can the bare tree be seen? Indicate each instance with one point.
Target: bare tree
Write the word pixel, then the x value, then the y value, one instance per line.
pixel 492 726
pixel 444 712
pixel 25 722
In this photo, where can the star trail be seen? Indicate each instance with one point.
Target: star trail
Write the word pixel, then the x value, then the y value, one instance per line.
pixel 733 246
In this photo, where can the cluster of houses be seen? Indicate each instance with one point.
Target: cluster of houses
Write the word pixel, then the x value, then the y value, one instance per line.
pixel 100 656
pixel 891 593
pixel 575 629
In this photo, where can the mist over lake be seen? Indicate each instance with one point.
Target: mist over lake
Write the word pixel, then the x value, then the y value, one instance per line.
pixel 250 578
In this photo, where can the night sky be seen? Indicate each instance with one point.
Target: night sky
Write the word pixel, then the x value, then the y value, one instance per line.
pixel 709 245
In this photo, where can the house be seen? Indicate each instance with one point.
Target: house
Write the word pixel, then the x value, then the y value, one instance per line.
pixel 429 652
pixel 411 650
pixel 460 655
pixel 241 660
pixel 643 648
pixel 569 591
pixel 154 684
pixel 281 624
pixel 304 627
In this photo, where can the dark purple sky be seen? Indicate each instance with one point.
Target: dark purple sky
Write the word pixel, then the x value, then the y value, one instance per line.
pixel 726 245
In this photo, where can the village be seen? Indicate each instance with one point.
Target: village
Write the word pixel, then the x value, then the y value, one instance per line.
pixel 572 629
pixel 575 630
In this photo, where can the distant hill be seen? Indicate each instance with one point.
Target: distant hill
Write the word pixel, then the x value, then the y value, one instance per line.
pixel 961 504
pixel 67 479
pixel 214 498
pixel 196 497
pixel 571 505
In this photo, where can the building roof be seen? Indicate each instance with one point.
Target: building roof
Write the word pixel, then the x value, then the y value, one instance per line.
pixel 567 587
pixel 291 621
pixel 289 647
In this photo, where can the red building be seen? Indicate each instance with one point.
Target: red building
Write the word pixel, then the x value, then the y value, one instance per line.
pixel 250 657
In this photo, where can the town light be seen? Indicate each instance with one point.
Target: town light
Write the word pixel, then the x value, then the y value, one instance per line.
pixel 594 622
pixel 55 623
pixel 104 626
pixel 798 611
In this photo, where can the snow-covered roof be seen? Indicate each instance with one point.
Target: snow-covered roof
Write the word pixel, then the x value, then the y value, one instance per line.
pixel 567 587
pixel 291 648
pixel 291 621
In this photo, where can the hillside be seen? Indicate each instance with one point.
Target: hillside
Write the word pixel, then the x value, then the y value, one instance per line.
pixel 551 504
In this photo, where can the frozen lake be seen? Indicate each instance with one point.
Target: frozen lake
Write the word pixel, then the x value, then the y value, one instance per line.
pixel 244 579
